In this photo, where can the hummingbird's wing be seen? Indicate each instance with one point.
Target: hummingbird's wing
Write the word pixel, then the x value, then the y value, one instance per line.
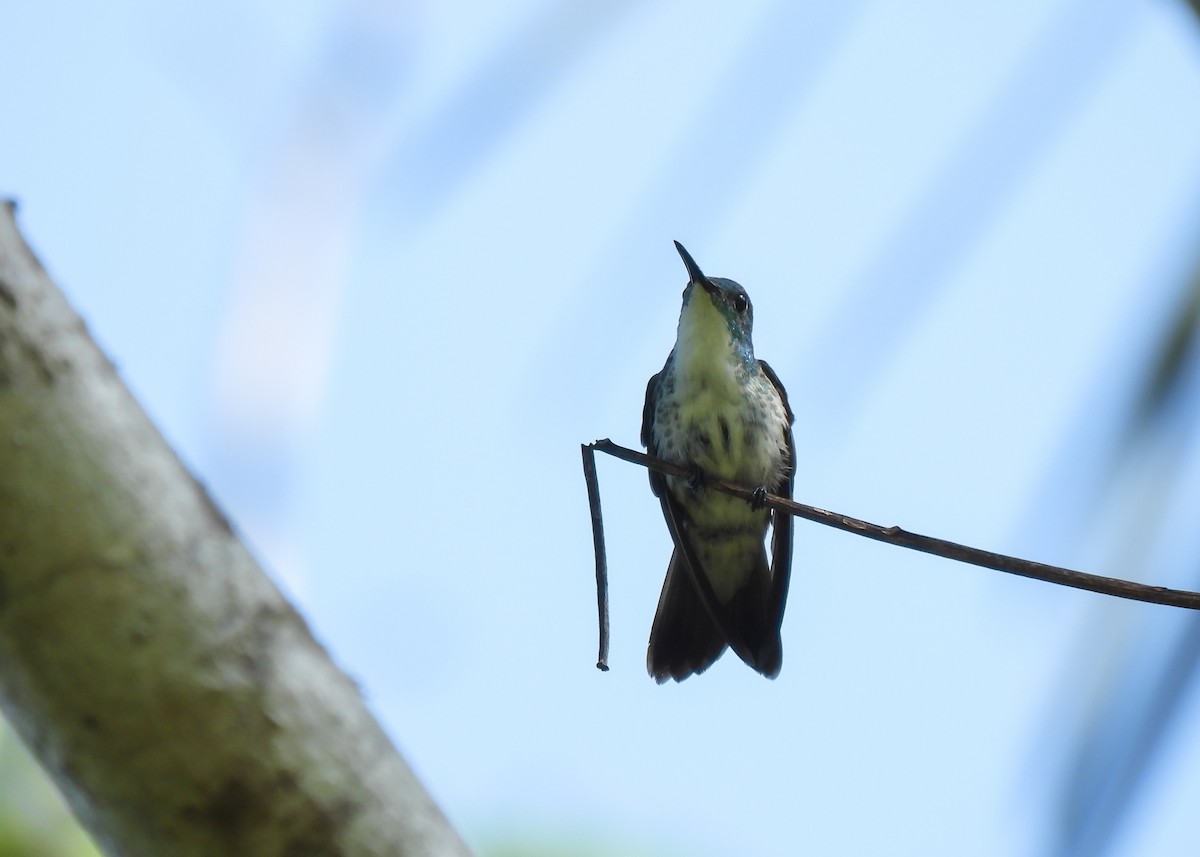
pixel 657 480
pixel 781 522
pixel 684 640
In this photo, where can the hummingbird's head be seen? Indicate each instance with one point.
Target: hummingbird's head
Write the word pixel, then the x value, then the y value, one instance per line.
pixel 709 301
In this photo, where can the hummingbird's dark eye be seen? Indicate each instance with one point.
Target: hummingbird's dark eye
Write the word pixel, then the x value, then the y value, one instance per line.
pixel 740 303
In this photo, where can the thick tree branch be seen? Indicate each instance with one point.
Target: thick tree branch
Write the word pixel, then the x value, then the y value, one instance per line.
pixel 179 702
pixel 903 538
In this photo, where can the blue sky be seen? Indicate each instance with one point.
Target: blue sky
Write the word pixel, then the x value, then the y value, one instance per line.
pixel 377 269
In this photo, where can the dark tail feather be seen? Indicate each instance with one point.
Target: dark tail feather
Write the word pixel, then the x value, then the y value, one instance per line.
pixel 748 610
pixel 684 640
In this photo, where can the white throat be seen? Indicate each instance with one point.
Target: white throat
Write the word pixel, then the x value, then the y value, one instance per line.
pixel 703 354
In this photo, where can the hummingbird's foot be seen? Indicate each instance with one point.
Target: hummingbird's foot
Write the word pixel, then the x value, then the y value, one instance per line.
pixel 760 498
pixel 696 479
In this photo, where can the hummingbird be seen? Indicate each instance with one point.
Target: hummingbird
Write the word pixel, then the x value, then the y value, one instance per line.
pixel 718 410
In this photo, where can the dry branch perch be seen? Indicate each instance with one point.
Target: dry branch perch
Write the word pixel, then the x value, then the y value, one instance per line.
pixel 176 698
pixel 1114 586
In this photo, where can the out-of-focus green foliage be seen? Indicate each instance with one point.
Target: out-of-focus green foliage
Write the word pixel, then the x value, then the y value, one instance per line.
pixel 534 843
pixel 34 820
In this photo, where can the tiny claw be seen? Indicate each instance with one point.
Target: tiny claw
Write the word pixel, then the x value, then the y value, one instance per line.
pixel 760 498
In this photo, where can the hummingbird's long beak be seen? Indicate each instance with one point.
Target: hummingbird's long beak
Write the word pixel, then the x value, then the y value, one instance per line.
pixel 695 275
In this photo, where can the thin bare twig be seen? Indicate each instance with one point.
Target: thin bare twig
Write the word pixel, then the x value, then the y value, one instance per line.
pixel 903 538
pixel 593 487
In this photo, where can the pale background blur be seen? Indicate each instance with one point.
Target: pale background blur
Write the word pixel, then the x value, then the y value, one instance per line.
pixel 377 269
